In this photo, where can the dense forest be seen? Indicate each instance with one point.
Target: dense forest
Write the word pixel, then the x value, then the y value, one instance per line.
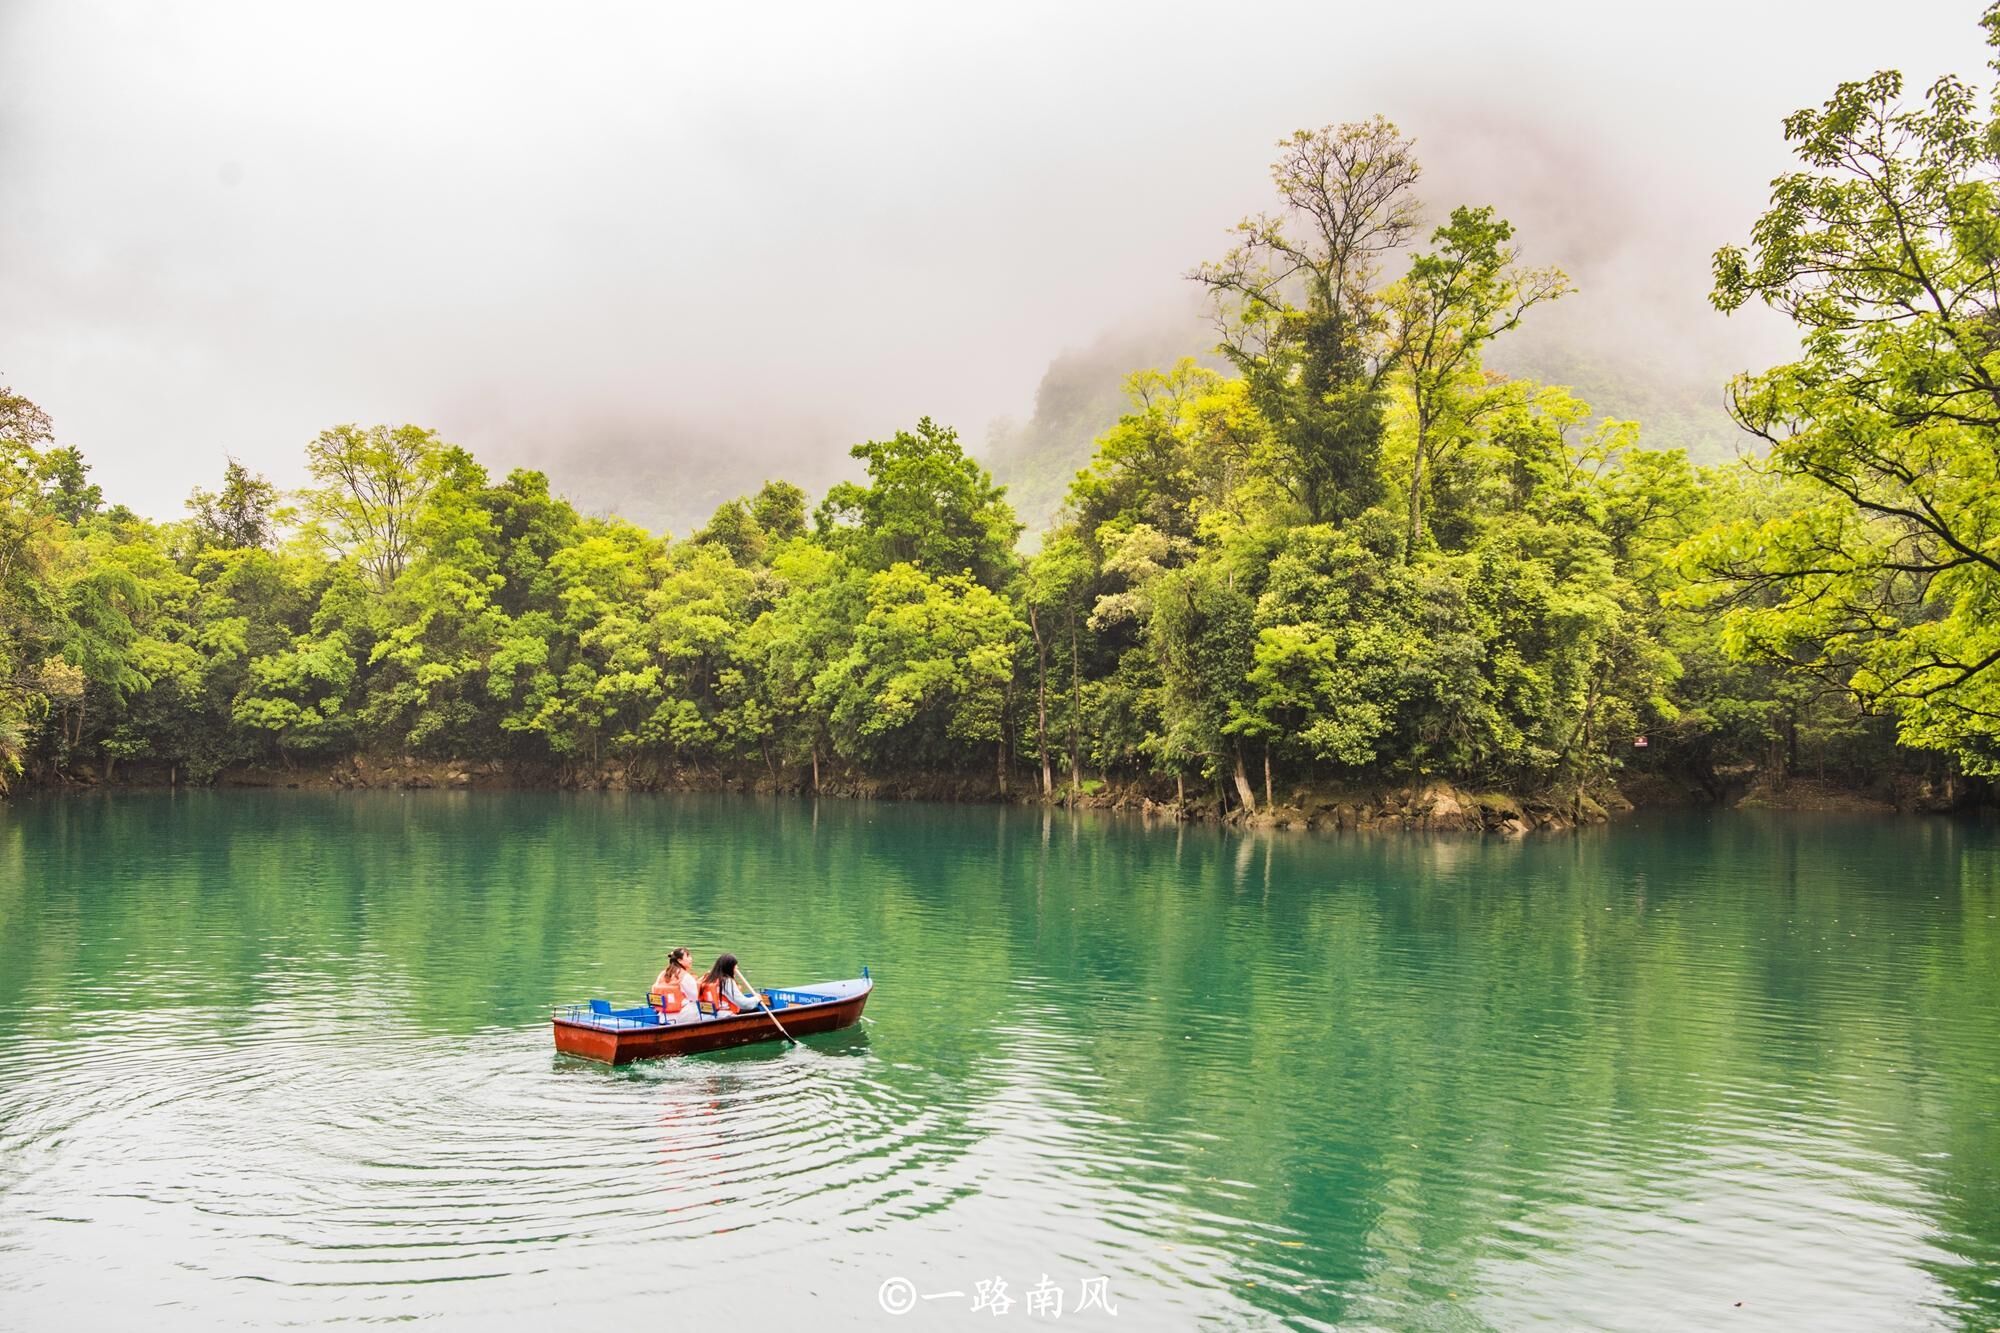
pixel 1353 554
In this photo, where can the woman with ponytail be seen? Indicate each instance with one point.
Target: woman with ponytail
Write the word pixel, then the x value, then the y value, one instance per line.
pixel 675 991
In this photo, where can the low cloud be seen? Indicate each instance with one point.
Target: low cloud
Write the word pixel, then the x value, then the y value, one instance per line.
pixel 667 253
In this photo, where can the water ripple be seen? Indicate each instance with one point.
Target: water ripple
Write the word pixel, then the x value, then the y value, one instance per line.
pixel 270 1062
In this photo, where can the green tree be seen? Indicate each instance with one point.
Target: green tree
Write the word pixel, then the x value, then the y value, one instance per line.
pixel 816 600
pixel 1296 307
pixel 372 488
pixel 586 677
pixel 531 525
pixel 66 489
pixel 28 550
pixel 1200 627
pixel 239 514
pixel 1056 594
pixel 248 603
pixel 1454 301
pixel 1885 250
pixel 736 530
pixel 427 689
pixel 300 695
pixel 779 509
pixel 929 674
pixel 1339 646
pixel 698 615
pixel 927 505
pixel 1185 453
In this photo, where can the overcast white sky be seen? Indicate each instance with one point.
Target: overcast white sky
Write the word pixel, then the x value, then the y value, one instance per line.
pixel 766 231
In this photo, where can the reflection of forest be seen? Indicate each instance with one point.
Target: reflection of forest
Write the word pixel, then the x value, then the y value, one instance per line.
pixel 1355 1067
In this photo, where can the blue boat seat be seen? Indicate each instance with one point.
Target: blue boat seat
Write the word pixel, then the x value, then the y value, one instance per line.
pixel 600 1006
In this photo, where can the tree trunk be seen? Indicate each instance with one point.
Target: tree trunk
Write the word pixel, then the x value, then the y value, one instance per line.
pixel 1006 728
pixel 1416 494
pixel 1269 802
pixel 1042 702
pixel 1075 714
pixel 1243 792
pixel 1180 789
pixel 815 752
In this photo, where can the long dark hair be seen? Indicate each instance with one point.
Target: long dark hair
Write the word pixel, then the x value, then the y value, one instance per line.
pixel 678 961
pixel 725 966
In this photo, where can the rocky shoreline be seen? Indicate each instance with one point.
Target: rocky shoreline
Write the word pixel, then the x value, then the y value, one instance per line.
pixel 1425 807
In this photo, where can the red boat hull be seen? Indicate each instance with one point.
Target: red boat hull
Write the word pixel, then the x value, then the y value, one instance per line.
pixel 624 1045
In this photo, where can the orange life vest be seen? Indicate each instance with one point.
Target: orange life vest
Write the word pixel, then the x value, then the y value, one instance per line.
pixel 667 995
pixel 712 993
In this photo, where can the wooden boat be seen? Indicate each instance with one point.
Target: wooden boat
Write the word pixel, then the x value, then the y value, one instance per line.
pixel 598 1031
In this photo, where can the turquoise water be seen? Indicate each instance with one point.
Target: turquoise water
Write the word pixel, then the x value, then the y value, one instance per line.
pixel 284 1058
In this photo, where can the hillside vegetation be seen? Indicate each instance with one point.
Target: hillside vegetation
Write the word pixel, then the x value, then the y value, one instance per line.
pixel 1347 551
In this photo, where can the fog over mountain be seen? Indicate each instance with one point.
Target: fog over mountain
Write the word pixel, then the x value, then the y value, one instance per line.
pixel 665 252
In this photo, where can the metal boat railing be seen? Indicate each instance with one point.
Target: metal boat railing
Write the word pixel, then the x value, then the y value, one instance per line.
pixel 600 1014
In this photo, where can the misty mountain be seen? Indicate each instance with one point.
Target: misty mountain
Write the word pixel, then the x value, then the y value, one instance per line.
pixel 1082 395
pixel 671 476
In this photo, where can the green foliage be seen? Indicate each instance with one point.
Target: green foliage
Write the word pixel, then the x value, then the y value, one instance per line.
pixel 1336 648
pixel 1189 451
pixel 926 505
pixel 1884 580
pixel 1361 556
pixel 300 694
pixel 930 667
pixel 779 510
pixel 66 491
pixel 240 514
pixel 1453 302
pixel 372 488
pixel 1299 314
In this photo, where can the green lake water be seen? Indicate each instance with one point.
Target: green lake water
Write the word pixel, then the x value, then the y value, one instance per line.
pixel 283 1059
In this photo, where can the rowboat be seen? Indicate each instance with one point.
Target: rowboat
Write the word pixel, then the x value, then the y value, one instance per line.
pixel 599 1031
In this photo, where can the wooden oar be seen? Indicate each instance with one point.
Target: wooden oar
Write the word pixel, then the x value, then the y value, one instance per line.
pixel 766 1006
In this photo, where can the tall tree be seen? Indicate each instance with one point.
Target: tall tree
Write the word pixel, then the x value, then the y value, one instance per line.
pixel 736 530
pixel 1455 300
pixel 27 552
pixel 372 486
pixel 1178 456
pixel 1296 308
pixel 239 514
